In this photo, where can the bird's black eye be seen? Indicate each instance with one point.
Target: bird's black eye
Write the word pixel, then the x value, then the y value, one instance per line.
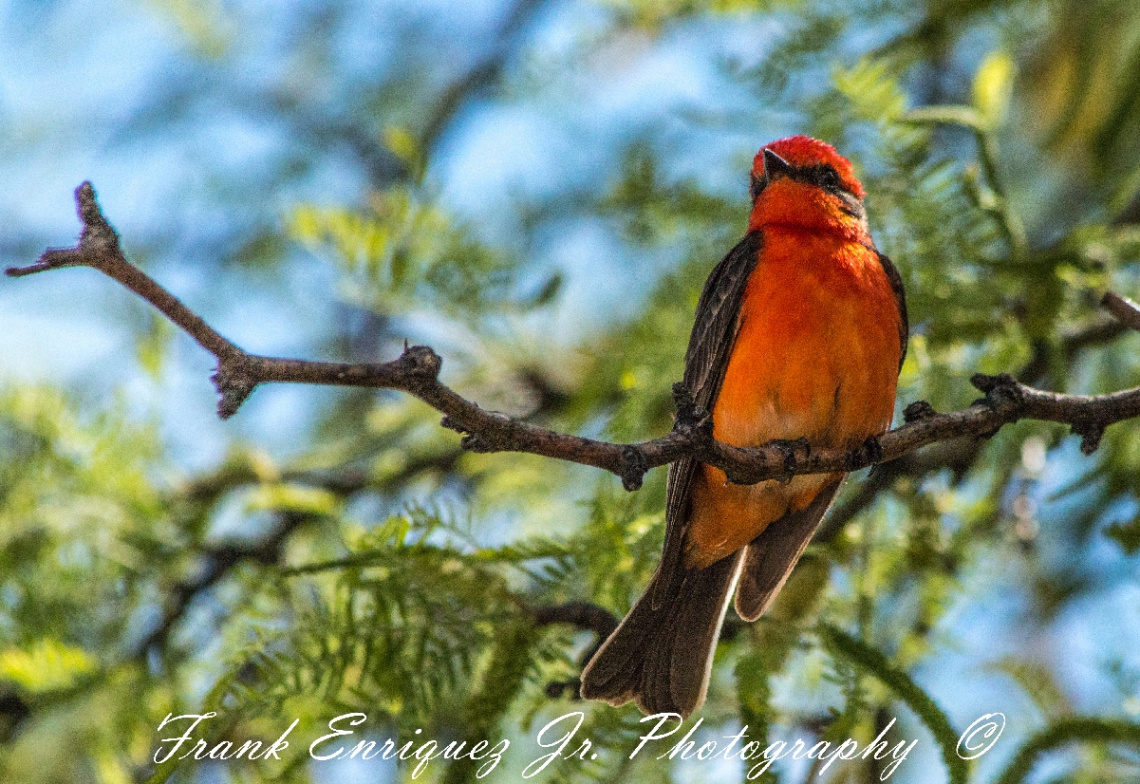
pixel 829 177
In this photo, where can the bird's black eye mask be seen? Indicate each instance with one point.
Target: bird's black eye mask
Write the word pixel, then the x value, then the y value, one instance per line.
pixel 821 175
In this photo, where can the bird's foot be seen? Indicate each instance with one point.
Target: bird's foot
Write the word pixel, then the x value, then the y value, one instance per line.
pixel 789 450
pixel 867 453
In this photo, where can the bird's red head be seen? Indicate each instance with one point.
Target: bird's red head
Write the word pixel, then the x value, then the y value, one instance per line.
pixel 803 181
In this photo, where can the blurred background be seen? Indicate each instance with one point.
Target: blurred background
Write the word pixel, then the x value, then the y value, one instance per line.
pixel 538 189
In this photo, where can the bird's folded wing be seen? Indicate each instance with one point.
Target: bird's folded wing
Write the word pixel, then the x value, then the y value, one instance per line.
pixel 710 346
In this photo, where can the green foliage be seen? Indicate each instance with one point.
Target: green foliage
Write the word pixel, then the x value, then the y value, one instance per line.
pixel 405 252
pixel 867 658
pixel 652 14
pixel 409 612
pixel 47 666
pixel 1078 728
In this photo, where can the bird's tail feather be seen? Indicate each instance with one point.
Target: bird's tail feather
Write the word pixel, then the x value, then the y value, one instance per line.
pixel 661 655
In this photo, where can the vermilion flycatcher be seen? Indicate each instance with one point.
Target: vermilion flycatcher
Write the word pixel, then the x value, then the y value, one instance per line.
pixel 800 333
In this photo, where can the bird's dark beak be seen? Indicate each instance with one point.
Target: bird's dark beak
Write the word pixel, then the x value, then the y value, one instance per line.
pixel 775 167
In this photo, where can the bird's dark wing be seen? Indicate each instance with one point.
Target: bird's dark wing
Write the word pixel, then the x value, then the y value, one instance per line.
pixel 710 346
pixel 900 299
pixel 715 324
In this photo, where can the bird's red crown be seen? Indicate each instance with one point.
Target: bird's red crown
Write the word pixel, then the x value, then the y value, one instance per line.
pixel 806 151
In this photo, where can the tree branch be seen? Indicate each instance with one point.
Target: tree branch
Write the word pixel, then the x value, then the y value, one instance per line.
pixel 219 561
pixel 583 616
pixel 416 372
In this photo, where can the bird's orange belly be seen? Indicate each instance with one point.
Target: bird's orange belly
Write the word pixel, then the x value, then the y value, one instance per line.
pixel 816 357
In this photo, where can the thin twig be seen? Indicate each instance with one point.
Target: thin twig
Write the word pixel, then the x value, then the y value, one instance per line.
pixel 1122 309
pixel 218 562
pixel 416 372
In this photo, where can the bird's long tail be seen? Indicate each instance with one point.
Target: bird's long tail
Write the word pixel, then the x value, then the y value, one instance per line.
pixel 661 655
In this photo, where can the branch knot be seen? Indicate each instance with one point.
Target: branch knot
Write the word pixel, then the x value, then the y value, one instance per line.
pixel 633 467
pixel 98 238
pixel 98 241
pixel 1090 433
pixel 1003 394
pixel 420 363
pixel 483 442
pixel 918 411
pixel 234 383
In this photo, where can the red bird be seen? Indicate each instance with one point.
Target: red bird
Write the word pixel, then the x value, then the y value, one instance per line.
pixel 800 333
